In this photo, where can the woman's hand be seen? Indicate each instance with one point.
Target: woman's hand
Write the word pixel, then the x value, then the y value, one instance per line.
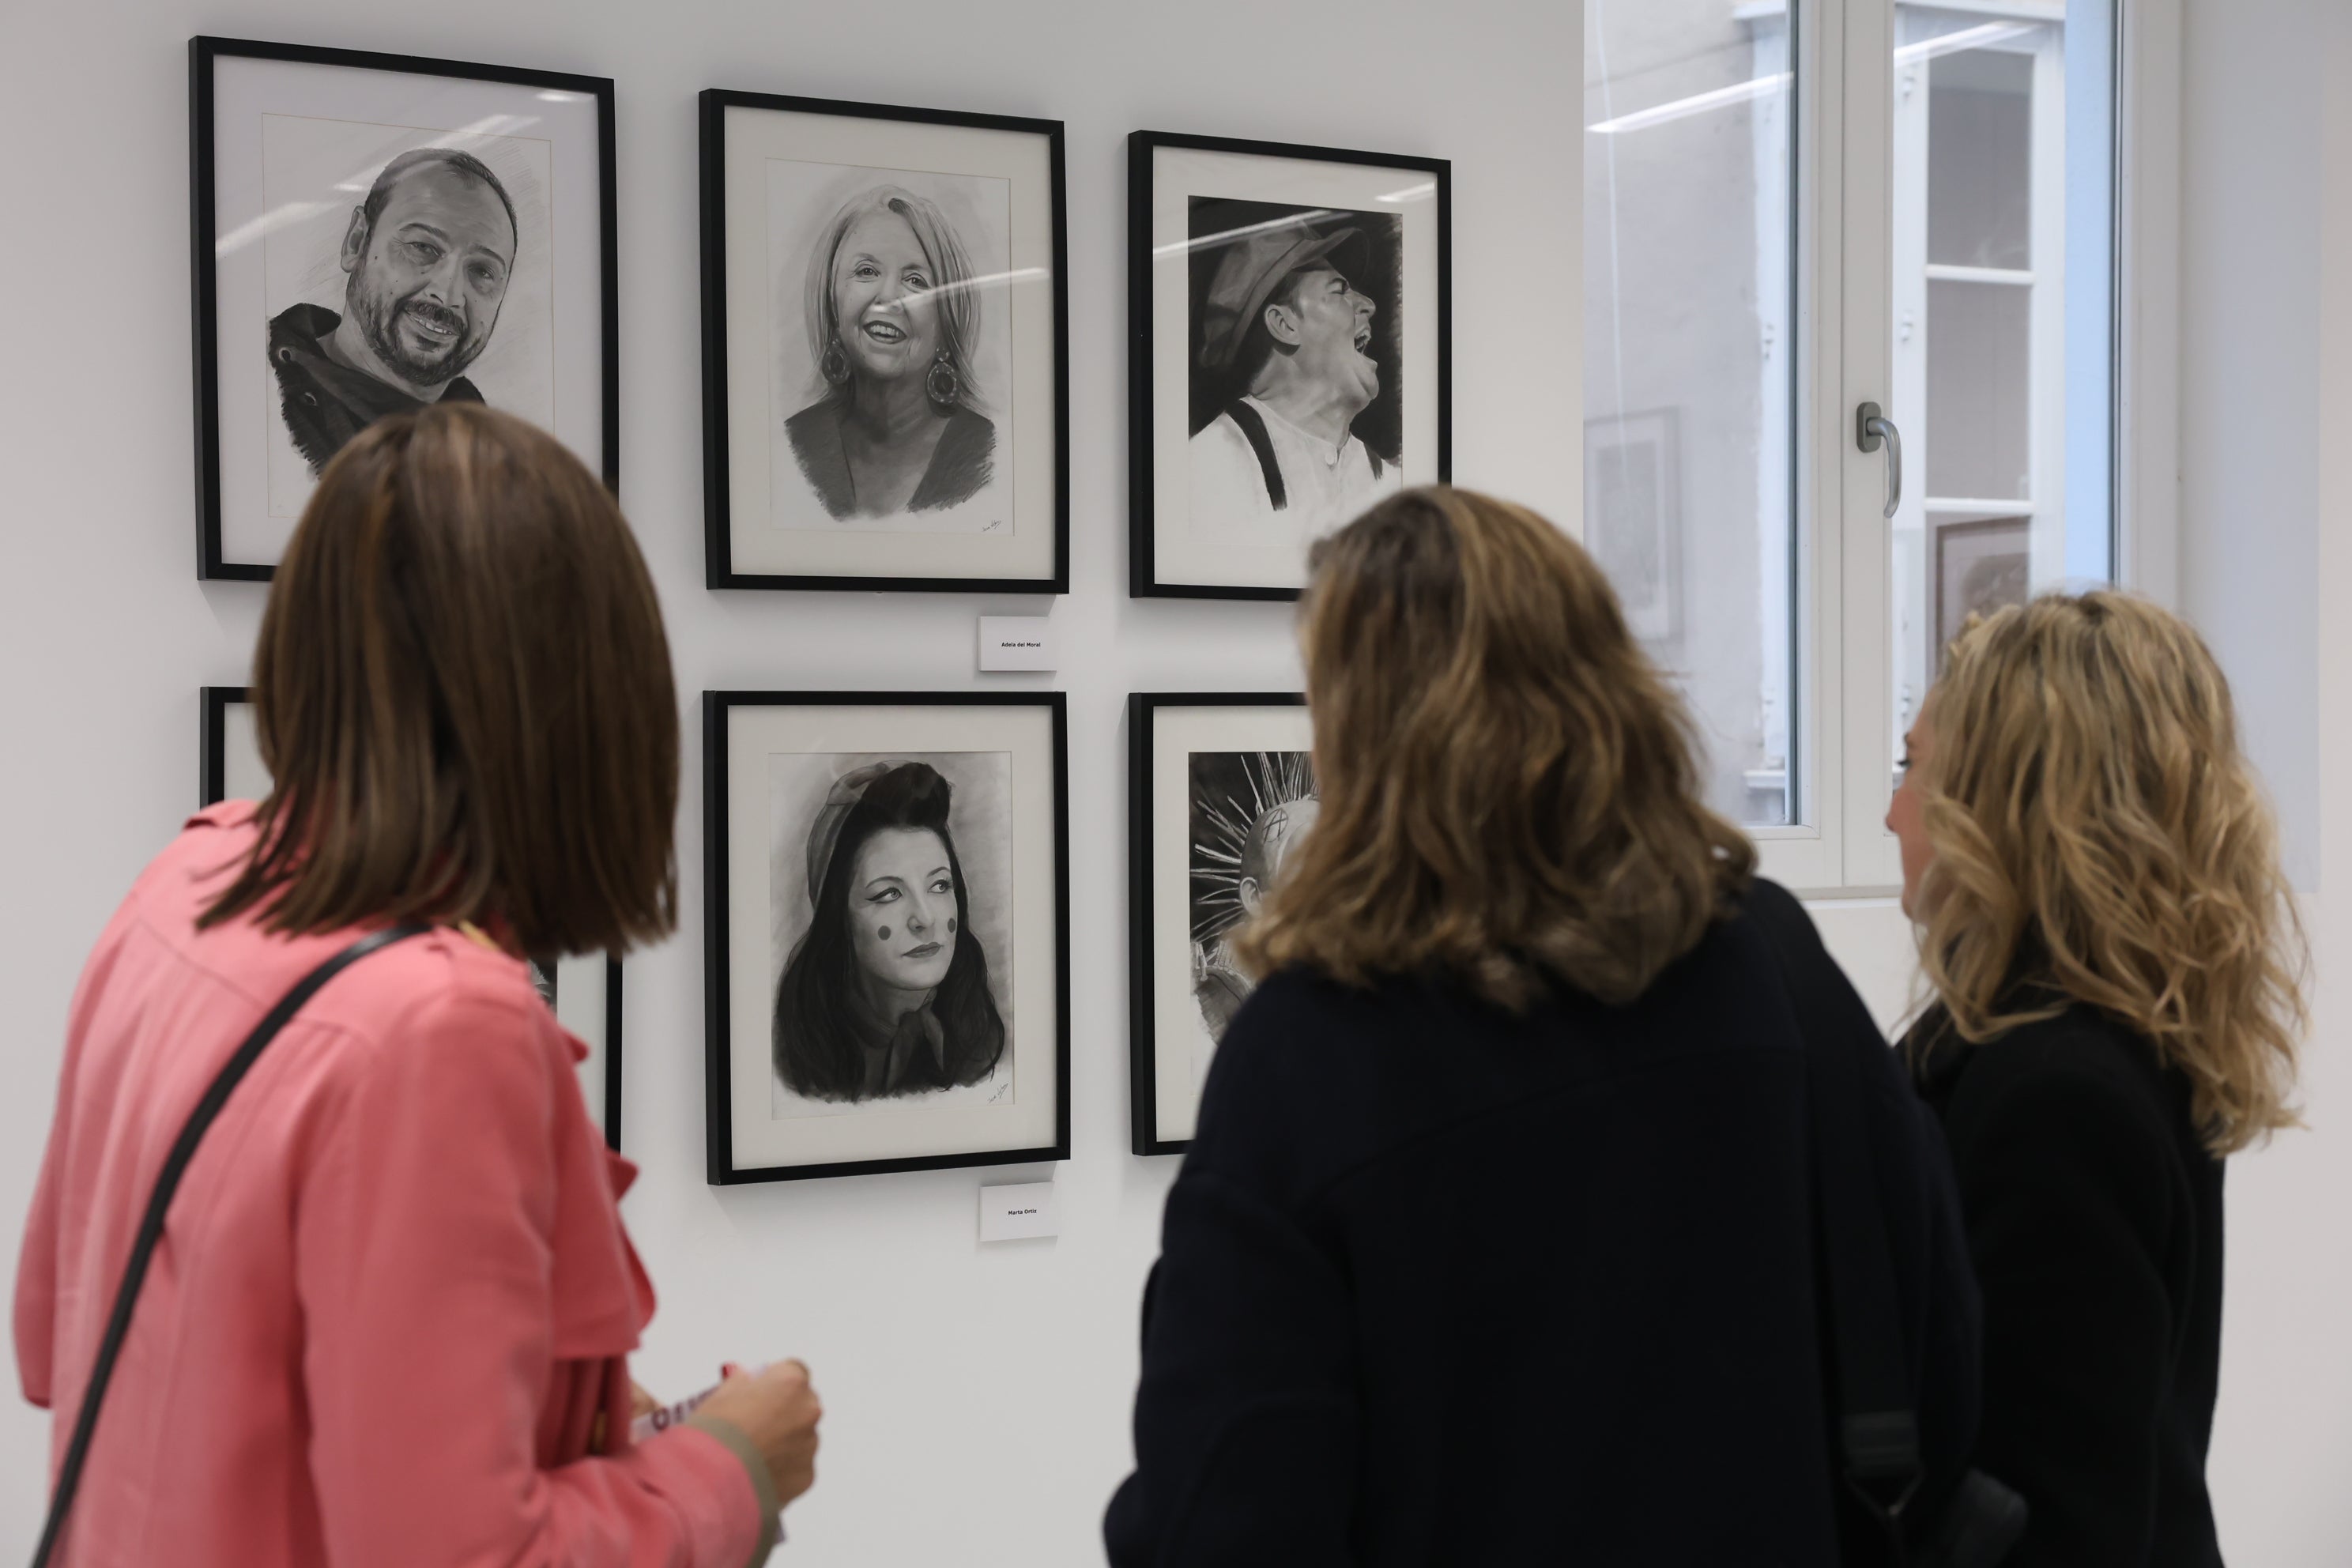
pixel 778 1410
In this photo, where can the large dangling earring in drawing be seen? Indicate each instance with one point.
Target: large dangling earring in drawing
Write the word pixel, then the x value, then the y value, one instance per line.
pixel 834 363
pixel 944 386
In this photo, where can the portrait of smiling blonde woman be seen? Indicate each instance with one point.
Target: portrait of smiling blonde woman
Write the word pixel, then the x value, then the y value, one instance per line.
pixel 2115 968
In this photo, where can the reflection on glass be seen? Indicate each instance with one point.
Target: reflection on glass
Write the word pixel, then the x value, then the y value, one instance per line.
pixel 2003 307
pixel 1688 432
pixel 1979 159
pixel 1976 441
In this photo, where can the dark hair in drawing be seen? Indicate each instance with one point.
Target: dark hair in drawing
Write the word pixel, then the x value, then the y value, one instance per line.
pixel 816 1052
pixel 380 193
pixel 957 301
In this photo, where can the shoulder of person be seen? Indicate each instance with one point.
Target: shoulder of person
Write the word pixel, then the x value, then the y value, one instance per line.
pixel 445 1009
pixel 1780 915
pixel 816 420
pixel 1301 1046
pixel 2079 1086
pixel 1822 999
pixel 1299 1016
pixel 1222 436
pixel 968 427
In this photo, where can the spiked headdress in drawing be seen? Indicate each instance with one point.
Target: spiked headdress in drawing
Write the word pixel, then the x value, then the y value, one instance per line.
pixel 1246 840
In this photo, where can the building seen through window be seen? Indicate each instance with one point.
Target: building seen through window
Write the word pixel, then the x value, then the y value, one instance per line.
pixel 1997 315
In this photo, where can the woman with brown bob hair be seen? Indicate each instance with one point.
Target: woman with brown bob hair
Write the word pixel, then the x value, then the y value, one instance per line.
pixel 393 1306
pixel 2115 965
pixel 1493 1245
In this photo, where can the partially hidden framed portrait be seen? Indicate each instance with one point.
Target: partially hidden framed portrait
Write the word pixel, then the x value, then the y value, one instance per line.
pixel 585 992
pixel 1983 564
pixel 376 233
pixel 887 935
pixel 885 348
pixel 1221 790
pixel 1289 355
pixel 1633 519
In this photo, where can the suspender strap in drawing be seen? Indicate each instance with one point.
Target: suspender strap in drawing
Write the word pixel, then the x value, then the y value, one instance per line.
pixel 151 1225
pixel 1252 428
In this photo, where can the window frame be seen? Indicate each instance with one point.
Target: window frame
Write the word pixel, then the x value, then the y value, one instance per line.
pixel 1842 667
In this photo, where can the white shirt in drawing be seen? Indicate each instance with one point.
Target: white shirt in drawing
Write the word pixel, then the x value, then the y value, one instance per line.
pixel 1325 488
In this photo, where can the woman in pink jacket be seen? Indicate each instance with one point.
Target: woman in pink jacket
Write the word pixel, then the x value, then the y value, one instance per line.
pixel 389 1319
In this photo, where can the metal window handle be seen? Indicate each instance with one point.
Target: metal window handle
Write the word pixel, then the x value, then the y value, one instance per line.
pixel 1869 426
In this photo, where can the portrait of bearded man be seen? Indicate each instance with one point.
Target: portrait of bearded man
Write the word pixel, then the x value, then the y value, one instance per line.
pixel 426 259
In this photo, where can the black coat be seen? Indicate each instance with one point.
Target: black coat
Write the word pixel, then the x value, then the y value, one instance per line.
pixel 2093 1215
pixel 1439 1285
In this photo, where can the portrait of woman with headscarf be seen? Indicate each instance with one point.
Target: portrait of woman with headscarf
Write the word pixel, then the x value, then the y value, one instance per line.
pixel 886 994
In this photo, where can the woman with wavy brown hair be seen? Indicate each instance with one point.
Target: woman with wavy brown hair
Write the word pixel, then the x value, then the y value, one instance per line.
pixel 1493 1245
pixel 2116 963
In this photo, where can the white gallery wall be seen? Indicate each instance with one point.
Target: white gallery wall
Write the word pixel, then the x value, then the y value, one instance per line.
pixel 978 1397
pixel 2265 571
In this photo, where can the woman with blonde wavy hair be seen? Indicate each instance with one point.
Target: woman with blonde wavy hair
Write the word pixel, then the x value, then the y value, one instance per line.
pixel 1494 1243
pixel 2115 964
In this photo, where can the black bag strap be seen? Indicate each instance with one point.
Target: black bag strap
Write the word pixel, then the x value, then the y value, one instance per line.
pixel 151 1225
pixel 1877 1424
pixel 1253 431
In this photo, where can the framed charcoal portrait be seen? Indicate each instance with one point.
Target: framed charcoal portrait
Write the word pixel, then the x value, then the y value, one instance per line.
pixel 1221 790
pixel 585 992
pixel 376 233
pixel 885 348
pixel 1632 500
pixel 1983 564
pixel 1290 351
pixel 887 935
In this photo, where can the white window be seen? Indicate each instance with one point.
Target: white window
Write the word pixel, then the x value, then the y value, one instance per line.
pixel 1790 213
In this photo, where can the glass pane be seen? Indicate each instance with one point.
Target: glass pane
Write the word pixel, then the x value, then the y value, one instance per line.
pixel 1688 366
pixel 2003 315
pixel 1979 153
pixel 1975 440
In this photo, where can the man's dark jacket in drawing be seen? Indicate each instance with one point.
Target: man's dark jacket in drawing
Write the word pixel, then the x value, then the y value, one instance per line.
pixel 326 404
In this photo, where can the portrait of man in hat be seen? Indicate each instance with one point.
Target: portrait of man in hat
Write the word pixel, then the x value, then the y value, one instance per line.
pixel 1289 342
pixel 427 259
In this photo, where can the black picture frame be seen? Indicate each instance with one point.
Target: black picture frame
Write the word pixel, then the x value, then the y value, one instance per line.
pixel 719 1074
pixel 212 788
pixel 1143 576
pixel 203 52
pixel 718 563
pixel 1142 994
pixel 212 747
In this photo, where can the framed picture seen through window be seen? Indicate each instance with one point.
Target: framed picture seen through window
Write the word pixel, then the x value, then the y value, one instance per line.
pixel 1632 501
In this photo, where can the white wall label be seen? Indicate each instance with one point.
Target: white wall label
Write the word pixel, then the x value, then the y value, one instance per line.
pixel 1020 1211
pixel 1017 642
